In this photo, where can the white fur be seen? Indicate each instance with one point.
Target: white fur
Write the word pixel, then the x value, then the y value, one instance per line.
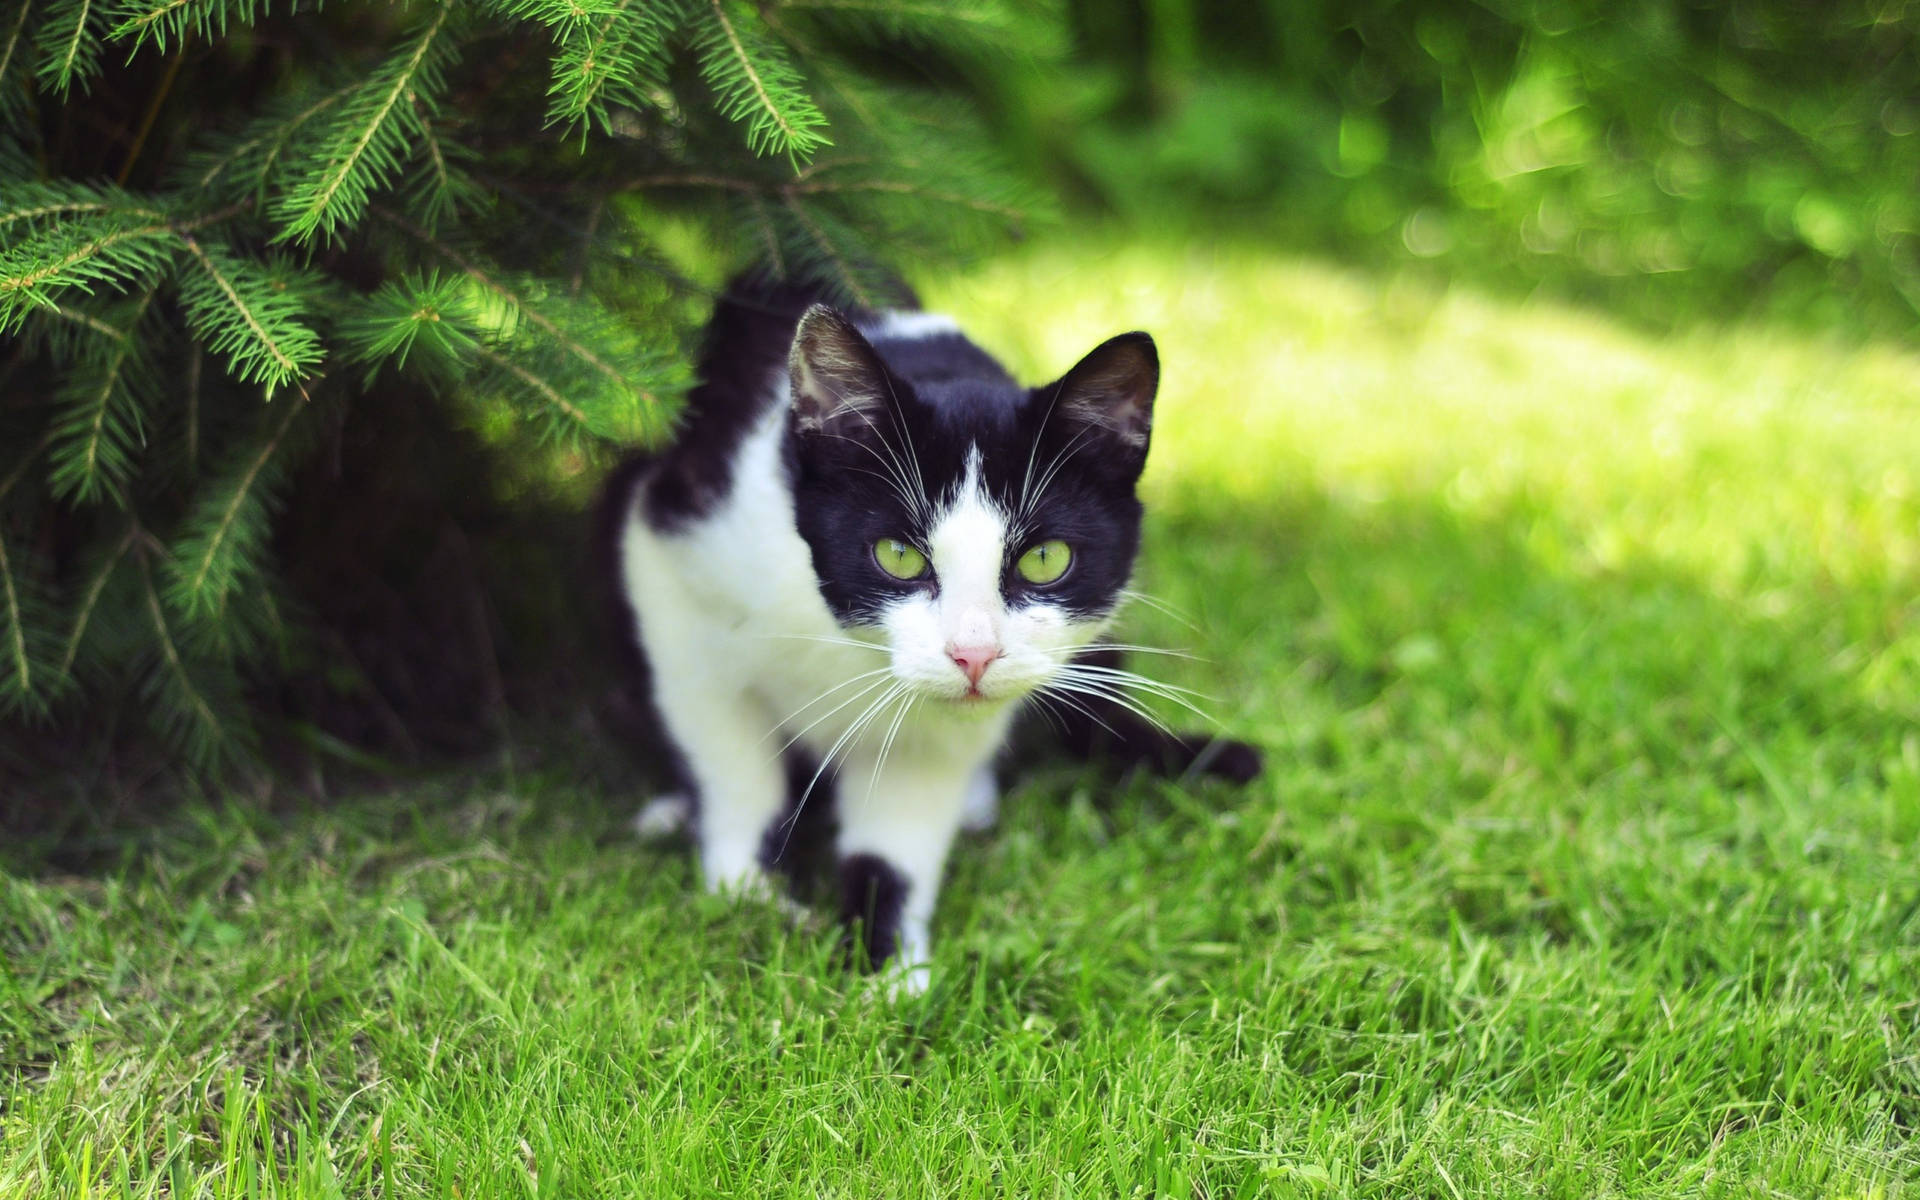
pixel 898 326
pixel 662 816
pixel 747 657
pixel 980 808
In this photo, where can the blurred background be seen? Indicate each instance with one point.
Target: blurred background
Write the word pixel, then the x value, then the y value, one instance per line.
pixel 1666 161
pixel 1529 259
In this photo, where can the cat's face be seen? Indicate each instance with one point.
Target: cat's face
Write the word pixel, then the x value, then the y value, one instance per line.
pixel 986 530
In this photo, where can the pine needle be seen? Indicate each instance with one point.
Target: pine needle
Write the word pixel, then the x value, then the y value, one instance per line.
pixel 364 150
pixel 16 639
pixel 757 85
pixel 90 599
pixel 251 318
pixel 224 533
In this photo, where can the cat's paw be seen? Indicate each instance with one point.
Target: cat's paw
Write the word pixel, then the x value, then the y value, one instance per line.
pixel 662 817
pixel 753 885
pixel 898 983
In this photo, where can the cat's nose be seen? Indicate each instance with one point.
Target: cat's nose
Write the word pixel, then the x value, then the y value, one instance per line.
pixel 973 660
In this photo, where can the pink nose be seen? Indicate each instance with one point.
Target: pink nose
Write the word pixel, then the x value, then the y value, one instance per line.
pixel 973 660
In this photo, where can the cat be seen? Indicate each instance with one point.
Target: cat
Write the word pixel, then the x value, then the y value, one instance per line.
pixel 865 552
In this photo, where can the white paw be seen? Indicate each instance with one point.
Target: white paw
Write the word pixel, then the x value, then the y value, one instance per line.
pixel 980 809
pixel 752 885
pixel 662 816
pixel 895 983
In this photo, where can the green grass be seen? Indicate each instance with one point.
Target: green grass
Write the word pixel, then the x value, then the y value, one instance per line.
pixel 1585 864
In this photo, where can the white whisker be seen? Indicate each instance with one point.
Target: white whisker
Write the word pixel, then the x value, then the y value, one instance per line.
pixel 913 455
pixel 826 760
pixel 1134 648
pixel 886 745
pixel 1053 468
pixel 824 640
pixel 1161 606
pixel 1119 699
pixel 1147 686
pixel 1033 451
pixel 1050 692
pixel 1121 675
pixel 1042 705
pixel 785 746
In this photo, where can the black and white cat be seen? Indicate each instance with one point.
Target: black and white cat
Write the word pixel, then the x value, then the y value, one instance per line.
pixel 866 551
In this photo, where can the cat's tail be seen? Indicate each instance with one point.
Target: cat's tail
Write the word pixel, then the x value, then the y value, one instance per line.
pixel 1108 733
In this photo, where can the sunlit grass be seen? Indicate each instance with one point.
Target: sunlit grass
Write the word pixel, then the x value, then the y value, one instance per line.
pixel 1585 865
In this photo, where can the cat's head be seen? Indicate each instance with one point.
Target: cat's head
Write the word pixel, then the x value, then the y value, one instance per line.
pixel 988 530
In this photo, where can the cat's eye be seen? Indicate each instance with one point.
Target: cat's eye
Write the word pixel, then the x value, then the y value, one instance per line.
pixel 898 559
pixel 1045 562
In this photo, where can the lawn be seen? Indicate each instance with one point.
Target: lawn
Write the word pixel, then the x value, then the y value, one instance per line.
pixel 1584 865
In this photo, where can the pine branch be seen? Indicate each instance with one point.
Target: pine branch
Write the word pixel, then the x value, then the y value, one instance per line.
pixel 26 460
pixel 99 419
pixel 105 250
pixel 32 204
pixel 437 159
pixel 241 311
pixel 365 146
pixel 763 224
pixel 225 531
pixel 428 319
pixel 152 113
pixel 95 248
pixel 441 189
pixel 196 359
pixel 520 303
pixel 173 21
pixel 972 25
pixel 276 132
pixel 17 685
pixel 756 84
pixel 89 322
pixel 12 54
pixel 546 391
pixel 842 270
pixel 613 55
pixel 110 299
pixel 90 599
pixel 555 14
pixel 28 680
pixel 68 39
pixel 205 736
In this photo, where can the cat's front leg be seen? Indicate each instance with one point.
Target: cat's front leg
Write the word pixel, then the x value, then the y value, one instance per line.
pixel 896 826
pixel 739 783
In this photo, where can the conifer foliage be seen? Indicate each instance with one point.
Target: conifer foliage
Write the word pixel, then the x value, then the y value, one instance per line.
pixel 226 226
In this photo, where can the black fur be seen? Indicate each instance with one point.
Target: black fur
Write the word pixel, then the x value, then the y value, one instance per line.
pixel 871 896
pixel 742 356
pixel 940 408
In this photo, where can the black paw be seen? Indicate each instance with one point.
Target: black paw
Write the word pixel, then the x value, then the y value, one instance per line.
pixel 1231 760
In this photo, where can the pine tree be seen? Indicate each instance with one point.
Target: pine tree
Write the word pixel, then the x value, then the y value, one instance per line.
pixel 225 223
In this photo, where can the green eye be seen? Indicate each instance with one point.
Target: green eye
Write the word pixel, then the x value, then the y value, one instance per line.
pixel 898 559
pixel 1044 563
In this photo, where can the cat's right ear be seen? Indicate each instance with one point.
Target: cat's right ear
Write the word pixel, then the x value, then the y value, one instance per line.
pixel 839 384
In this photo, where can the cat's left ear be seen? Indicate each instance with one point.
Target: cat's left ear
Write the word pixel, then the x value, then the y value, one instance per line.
pixel 1112 389
pixel 839 382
